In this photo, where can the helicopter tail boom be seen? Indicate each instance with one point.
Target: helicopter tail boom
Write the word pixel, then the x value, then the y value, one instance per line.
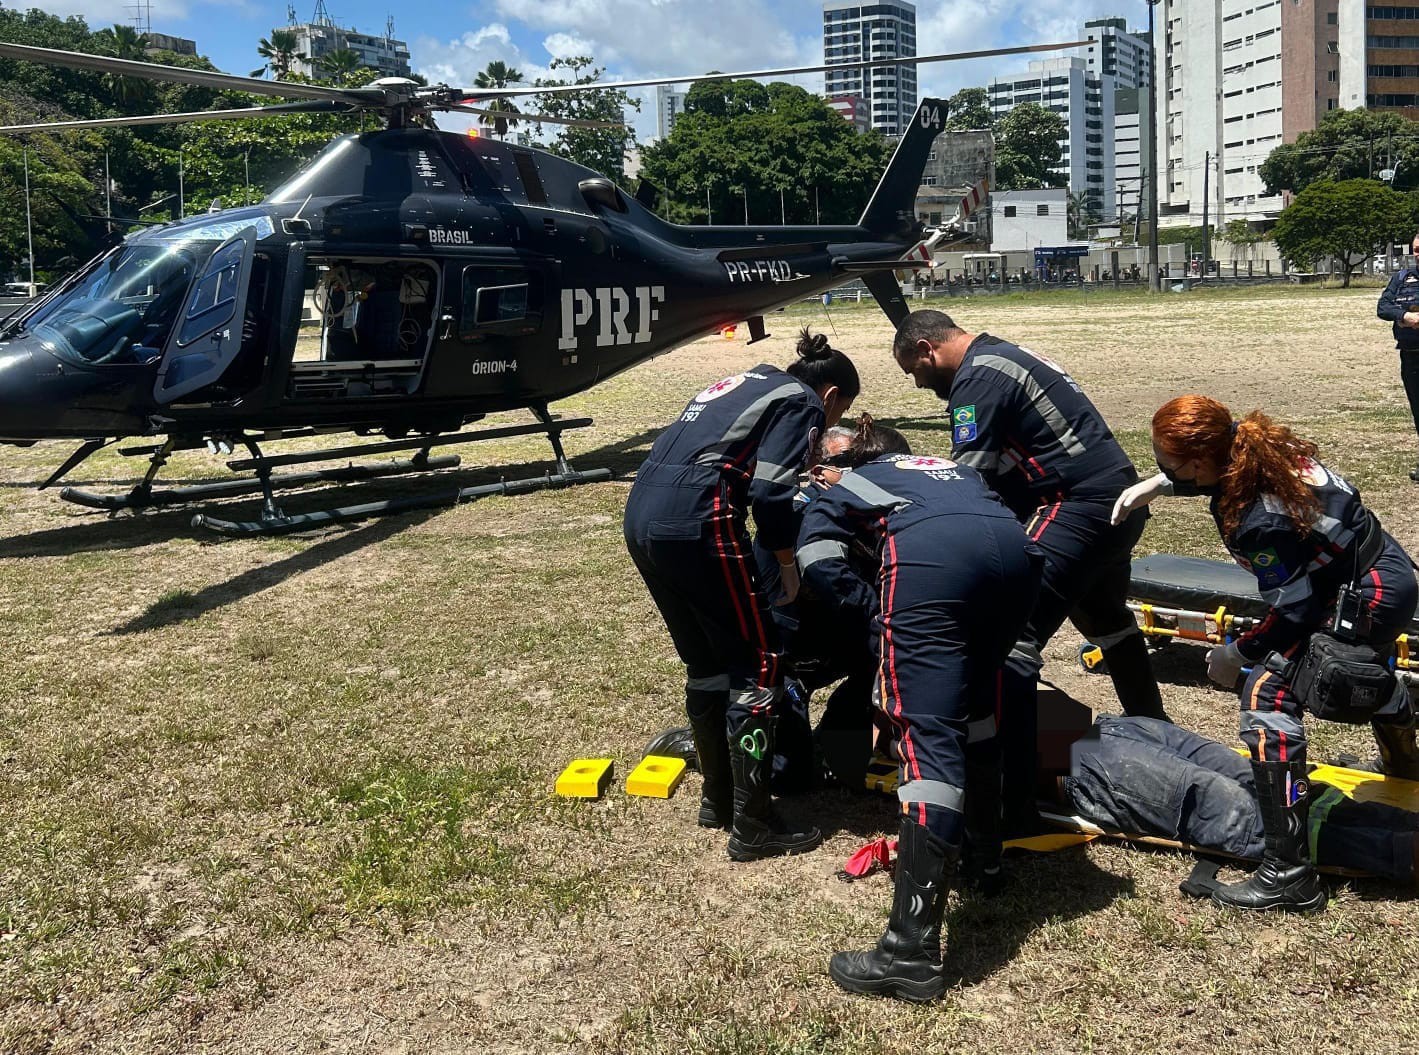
pixel 891 214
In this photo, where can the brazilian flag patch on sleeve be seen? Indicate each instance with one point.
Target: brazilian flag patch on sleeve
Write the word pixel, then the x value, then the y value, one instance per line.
pixel 1267 567
pixel 964 415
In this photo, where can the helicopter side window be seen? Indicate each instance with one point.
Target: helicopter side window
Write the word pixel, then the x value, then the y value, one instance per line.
pixel 213 301
pixel 505 301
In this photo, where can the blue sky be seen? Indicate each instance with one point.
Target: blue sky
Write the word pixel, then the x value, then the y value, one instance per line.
pixel 632 38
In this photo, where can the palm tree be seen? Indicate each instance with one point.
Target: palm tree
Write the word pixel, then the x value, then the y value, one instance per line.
pixel 498 75
pixel 340 67
pixel 280 54
pixel 1082 212
pixel 125 42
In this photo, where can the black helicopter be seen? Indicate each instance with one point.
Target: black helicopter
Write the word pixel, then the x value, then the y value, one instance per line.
pixel 452 277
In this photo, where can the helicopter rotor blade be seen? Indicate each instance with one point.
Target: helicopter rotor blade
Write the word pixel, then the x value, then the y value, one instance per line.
pixel 154 71
pixel 538 119
pixel 312 107
pixel 911 60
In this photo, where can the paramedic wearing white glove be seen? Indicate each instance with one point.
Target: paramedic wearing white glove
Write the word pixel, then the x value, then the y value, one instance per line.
pixel 1302 530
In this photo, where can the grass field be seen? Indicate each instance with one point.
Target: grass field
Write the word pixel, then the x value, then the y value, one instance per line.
pixel 294 795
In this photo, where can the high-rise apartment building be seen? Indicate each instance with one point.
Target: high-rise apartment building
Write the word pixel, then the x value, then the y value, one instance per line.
pixel 854 32
pixel 669 104
pixel 319 37
pixel 1085 100
pixel 1130 141
pixel 1379 56
pixel 1124 56
pixel 1237 78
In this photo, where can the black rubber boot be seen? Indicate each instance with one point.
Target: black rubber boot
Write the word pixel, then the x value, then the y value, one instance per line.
pixel 758 831
pixel 706 710
pixel 980 855
pixel 676 742
pixel 1285 880
pixel 906 963
pixel 1399 755
pixel 1134 682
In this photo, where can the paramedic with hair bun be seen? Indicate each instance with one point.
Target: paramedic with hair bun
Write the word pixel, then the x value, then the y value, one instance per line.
pixel 1323 563
pixel 739 446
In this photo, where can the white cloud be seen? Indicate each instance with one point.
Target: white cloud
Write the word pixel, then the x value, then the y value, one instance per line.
pixel 567 46
pixel 636 39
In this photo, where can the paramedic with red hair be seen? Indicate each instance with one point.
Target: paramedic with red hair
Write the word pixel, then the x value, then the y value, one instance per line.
pixel 1302 530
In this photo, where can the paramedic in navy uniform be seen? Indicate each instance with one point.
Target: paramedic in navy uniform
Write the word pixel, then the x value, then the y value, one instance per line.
pixel 947 589
pixel 739 446
pixel 1302 530
pixel 1021 422
pixel 1399 304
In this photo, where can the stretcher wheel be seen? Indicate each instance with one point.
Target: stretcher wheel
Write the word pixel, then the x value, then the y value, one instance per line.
pixel 1091 659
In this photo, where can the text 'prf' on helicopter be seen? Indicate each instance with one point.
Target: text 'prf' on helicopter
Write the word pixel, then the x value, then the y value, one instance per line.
pixel 407 282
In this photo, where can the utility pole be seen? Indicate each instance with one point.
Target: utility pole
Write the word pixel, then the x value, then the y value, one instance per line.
pixel 746 205
pixel 817 213
pixel 1206 244
pixel 1155 280
pixel 708 208
pixel 782 212
pixel 181 175
pixel 107 192
pixel 29 218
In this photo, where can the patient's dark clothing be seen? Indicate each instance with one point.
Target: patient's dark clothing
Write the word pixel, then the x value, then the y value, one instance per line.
pixel 1149 777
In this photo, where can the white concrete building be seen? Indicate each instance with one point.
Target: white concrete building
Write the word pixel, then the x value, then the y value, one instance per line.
pixel 856 32
pixel 1130 140
pixel 1237 78
pixel 1029 219
pixel 1085 100
pixel 1124 56
pixel 384 54
pixel 669 104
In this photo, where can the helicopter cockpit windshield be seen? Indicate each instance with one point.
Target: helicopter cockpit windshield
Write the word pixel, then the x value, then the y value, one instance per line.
pixel 124 309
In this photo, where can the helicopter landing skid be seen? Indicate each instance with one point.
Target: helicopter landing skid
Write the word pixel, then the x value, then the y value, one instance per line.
pixel 139 498
pixel 275 521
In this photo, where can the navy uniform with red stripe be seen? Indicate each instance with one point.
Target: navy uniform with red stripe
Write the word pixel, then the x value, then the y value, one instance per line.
pixel 950 595
pixel 951 589
pixel 1299 576
pixel 739 446
pixel 1026 426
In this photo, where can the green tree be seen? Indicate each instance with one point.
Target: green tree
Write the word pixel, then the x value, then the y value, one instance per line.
pixel 1347 220
pixel 1346 144
pixel 281 51
pixel 125 42
pixel 342 68
pixel 500 75
pixel 601 149
pixel 968 109
pixel 1027 148
pixel 1241 236
pixel 784 148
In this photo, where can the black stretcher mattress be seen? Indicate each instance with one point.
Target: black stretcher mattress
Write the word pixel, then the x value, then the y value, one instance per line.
pixel 1200 585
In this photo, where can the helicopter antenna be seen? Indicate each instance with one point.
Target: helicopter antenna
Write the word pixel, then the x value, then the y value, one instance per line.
pixel 297 216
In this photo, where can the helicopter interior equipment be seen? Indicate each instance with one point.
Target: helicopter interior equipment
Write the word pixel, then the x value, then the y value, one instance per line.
pixel 406 282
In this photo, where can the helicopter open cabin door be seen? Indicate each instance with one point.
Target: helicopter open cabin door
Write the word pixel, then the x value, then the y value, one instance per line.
pixel 208 334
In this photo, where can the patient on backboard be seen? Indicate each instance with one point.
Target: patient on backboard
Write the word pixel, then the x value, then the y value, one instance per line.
pixel 1145 777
